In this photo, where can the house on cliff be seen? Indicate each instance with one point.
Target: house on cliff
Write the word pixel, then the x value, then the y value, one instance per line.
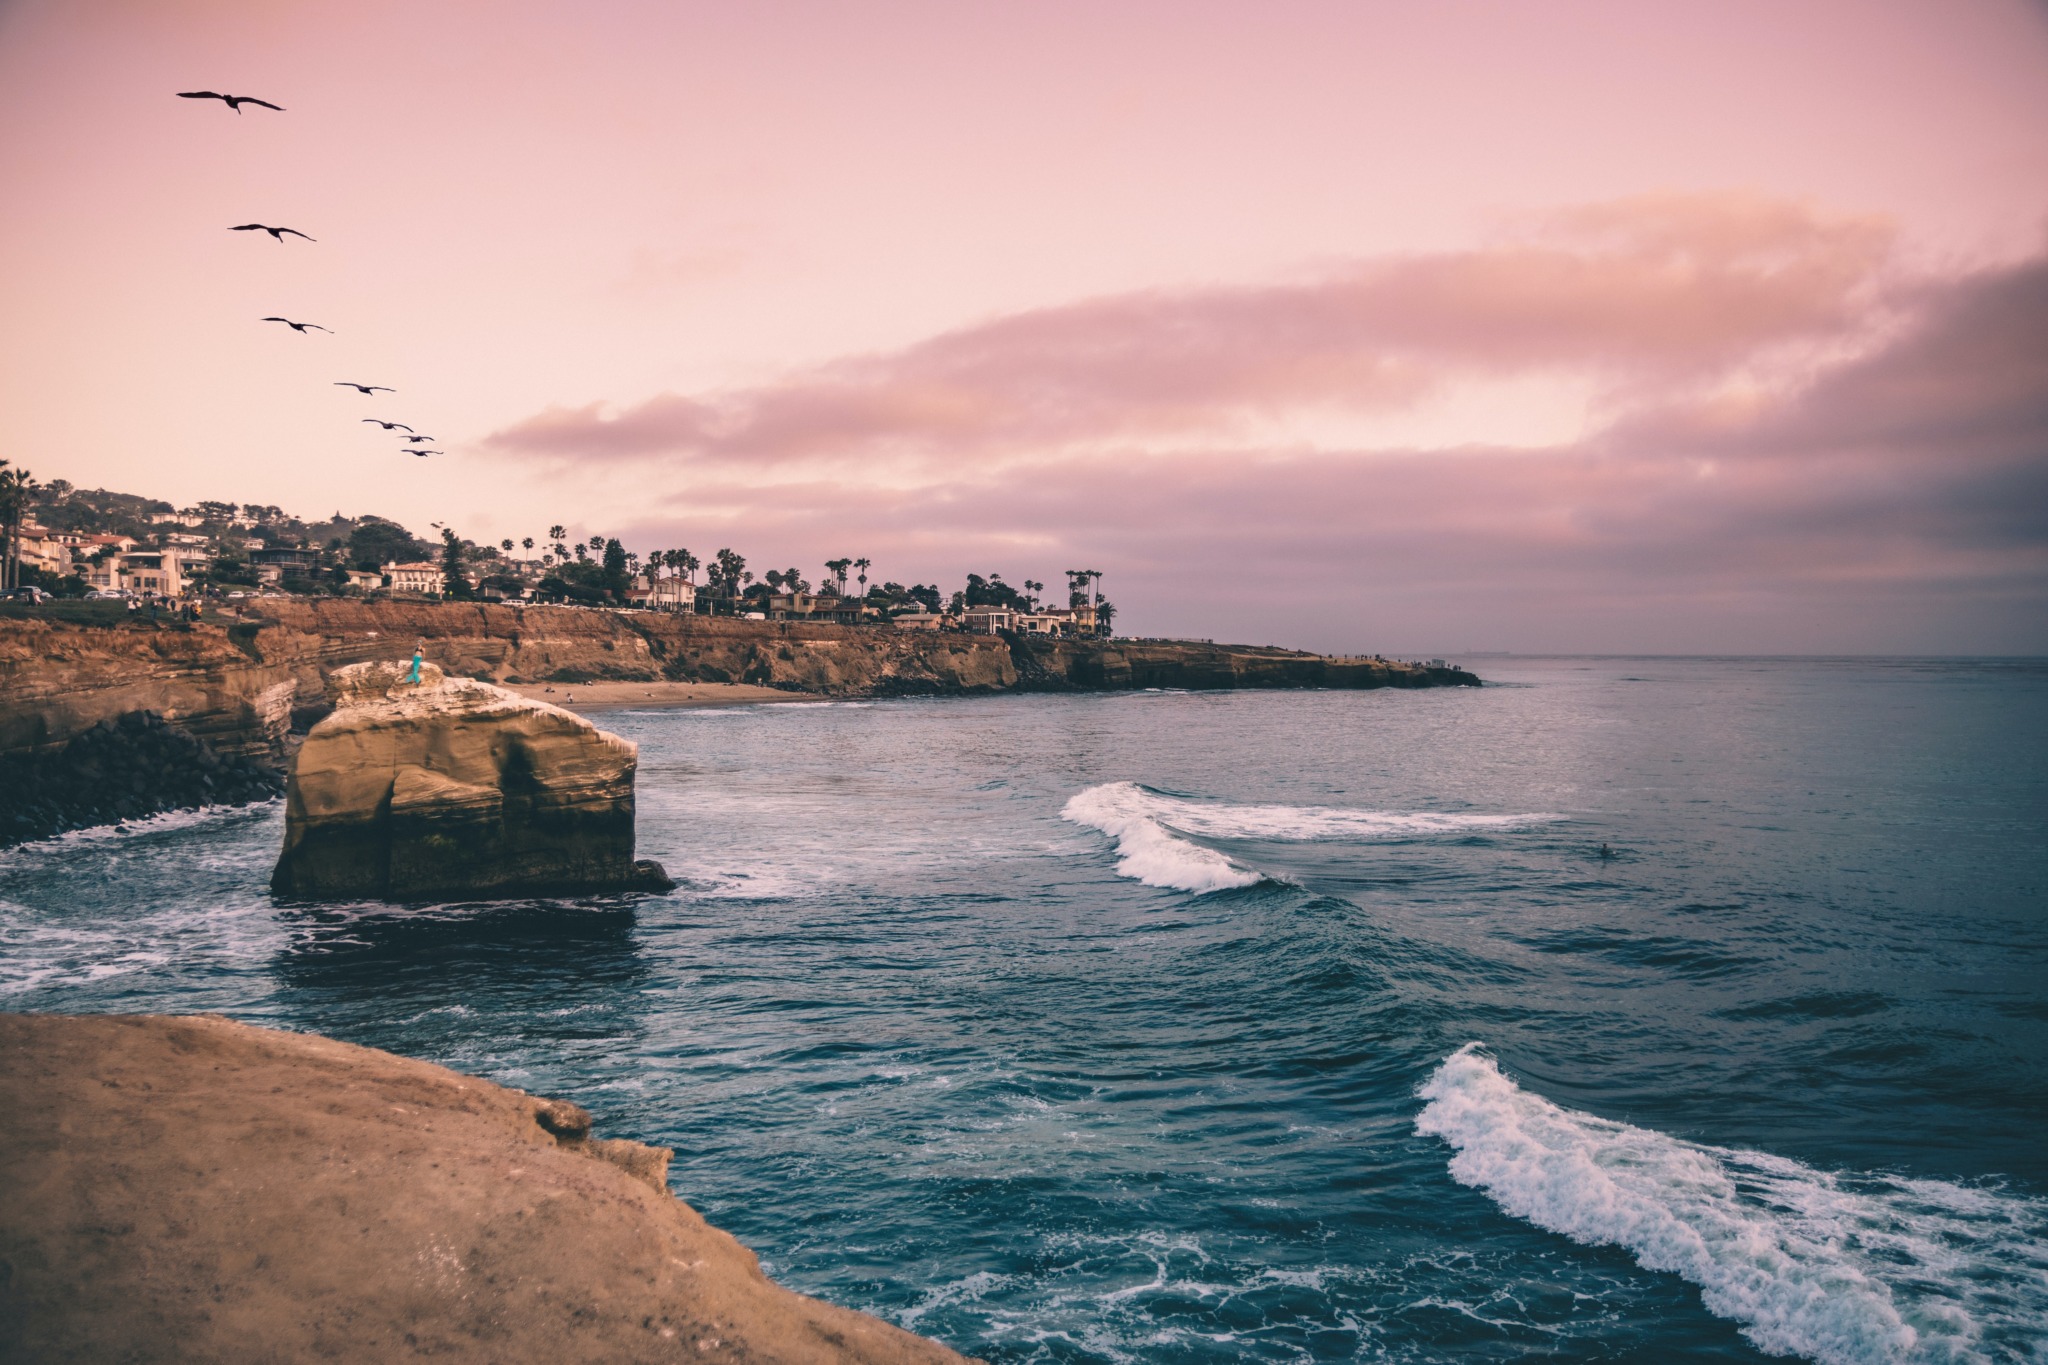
pixel 422 576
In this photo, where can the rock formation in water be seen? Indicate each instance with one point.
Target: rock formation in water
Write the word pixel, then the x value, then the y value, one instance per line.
pixel 448 788
pixel 190 1189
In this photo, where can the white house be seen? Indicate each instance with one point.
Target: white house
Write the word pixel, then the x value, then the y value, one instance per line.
pixel 423 576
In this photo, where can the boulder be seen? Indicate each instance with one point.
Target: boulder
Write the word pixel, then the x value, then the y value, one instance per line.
pixel 449 788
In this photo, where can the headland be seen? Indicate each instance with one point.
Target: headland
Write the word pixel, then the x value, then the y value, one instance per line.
pixel 192 1189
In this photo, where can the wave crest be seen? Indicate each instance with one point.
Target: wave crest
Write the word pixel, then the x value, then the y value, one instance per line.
pixel 1146 849
pixel 1842 1269
pixel 1152 831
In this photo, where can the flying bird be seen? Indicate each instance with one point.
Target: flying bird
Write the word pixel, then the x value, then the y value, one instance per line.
pixel 423 452
pixel 234 102
pixel 388 425
pixel 415 440
pixel 301 326
pixel 276 233
pixel 364 388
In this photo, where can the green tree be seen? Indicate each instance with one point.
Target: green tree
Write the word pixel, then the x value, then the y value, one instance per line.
pixel 454 581
pixel 863 565
pixel 837 568
pixel 616 572
pixel 376 542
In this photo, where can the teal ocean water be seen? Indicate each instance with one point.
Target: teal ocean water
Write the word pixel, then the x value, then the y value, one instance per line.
pixel 1262 1026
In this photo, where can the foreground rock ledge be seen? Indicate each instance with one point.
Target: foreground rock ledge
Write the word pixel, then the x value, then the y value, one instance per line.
pixel 447 788
pixel 191 1189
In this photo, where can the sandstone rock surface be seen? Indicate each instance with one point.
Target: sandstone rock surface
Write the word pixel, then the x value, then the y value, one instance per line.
pixel 449 788
pixel 191 1189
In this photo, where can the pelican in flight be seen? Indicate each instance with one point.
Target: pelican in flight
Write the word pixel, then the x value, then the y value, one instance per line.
pixel 415 440
pixel 363 388
pixel 300 327
pixel 234 102
pixel 387 425
pixel 276 233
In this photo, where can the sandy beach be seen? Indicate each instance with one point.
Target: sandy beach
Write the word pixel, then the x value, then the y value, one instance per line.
pixel 614 696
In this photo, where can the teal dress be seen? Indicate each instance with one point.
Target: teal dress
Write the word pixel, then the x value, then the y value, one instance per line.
pixel 414 676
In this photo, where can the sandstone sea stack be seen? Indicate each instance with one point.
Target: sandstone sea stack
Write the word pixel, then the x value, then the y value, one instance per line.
pixel 449 788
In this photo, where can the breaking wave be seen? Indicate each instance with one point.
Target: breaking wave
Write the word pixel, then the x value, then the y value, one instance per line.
pixel 1846 1269
pixel 1151 830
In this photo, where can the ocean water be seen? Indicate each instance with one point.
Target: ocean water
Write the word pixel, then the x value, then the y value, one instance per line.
pixel 1261 1026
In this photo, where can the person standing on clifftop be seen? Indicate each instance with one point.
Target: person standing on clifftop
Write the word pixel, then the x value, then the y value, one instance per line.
pixel 417 650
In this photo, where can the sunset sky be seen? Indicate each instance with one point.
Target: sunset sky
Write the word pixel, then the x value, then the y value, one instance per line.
pixel 1564 326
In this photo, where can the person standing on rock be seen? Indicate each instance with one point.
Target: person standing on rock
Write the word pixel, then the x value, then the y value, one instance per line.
pixel 418 649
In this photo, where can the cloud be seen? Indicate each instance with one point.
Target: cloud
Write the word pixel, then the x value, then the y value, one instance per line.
pixel 1800 448
pixel 1642 296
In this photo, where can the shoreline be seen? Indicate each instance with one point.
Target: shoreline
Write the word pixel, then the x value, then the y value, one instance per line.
pixel 623 696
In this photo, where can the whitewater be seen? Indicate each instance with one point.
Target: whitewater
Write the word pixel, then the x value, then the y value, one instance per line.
pixel 1842 1268
pixel 1156 833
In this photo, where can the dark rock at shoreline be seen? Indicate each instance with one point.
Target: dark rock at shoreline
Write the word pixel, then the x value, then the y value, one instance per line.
pixel 126 769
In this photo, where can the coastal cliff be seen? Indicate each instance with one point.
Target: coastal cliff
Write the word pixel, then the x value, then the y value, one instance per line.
pixel 191 1189
pixel 417 788
pixel 245 687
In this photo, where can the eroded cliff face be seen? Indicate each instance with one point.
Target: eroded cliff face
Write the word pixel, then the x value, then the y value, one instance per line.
pixel 241 686
pixel 449 787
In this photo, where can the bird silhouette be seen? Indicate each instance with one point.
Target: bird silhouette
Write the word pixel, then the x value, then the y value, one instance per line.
pixel 388 425
pixel 276 233
pixel 363 388
pixel 423 452
pixel 301 326
pixel 415 440
pixel 234 102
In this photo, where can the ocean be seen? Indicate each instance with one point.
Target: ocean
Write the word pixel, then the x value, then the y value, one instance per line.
pixel 1622 1010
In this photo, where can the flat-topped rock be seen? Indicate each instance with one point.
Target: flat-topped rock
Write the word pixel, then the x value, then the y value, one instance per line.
pixel 449 788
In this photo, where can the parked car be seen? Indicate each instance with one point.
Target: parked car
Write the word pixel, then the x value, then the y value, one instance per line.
pixel 29 595
pixel 109 594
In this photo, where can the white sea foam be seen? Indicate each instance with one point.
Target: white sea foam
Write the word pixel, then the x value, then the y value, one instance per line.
pixel 1151 831
pixel 1146 849
pixel 1844 1269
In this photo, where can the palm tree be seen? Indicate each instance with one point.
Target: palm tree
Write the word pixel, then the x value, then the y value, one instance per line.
pixel 837 568
pixel 527 545
pixel 506 545
pixel 863 565
pixel 15 486
pixel 689 564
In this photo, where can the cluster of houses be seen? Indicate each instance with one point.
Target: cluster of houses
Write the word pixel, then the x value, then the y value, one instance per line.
pixel 115 564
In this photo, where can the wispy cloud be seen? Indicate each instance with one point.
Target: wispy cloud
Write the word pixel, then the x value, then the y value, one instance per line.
pixel 1629 298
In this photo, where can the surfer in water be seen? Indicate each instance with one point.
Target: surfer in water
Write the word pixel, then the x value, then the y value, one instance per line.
pixel 1606 853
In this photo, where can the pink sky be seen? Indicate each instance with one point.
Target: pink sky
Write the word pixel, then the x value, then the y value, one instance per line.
pixel 1624 326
